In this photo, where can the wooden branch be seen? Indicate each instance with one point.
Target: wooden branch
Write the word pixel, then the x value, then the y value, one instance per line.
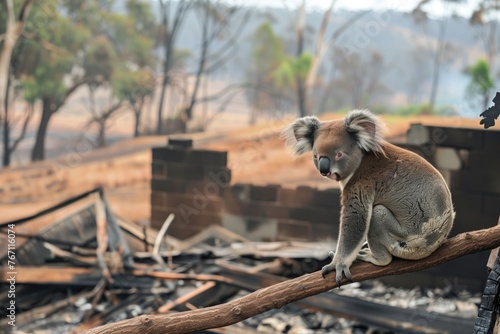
pixel 278 295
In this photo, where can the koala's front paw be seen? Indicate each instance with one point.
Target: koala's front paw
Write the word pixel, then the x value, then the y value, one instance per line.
pixel 339 269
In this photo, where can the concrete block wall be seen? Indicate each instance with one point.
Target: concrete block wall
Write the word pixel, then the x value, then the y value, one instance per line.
pixel 194 185
pixel 189 183
pixel 275 213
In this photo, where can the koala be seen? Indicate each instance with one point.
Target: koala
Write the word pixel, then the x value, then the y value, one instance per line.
pixel 391 198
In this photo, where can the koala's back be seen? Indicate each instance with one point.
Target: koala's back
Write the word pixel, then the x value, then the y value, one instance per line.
pixel 410 187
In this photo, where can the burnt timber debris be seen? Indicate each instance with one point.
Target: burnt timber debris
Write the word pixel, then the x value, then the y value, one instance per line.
pixel 71 285
pixel 491 114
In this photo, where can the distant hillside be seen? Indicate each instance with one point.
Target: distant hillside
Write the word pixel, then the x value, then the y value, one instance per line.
pixel 396 39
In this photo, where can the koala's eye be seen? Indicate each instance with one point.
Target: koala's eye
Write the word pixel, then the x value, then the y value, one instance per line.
pixel 315 156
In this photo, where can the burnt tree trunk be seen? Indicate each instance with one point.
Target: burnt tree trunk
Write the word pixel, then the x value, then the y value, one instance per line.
pixel 6 143
pixel 137 119
pixel 38 152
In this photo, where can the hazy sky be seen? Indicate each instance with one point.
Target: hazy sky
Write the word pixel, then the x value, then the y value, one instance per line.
pixel 436 7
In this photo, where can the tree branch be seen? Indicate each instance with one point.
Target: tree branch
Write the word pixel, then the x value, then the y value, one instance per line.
pixel 23 15
pixel 23 131
pixel 286 292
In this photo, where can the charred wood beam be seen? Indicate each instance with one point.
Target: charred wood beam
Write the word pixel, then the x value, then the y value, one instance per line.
pixel 278 295
pixel 488 315
pixel 73 276
pixel 185 298
pixel 53 208
pixel 53 275
pixel 488 310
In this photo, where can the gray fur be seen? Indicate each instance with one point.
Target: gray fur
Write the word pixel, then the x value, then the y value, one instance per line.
pixel 391 198
pixel 299 136
pixel 368 129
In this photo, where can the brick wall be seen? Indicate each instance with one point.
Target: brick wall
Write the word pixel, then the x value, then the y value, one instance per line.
pixel 189 183
pixel 194 184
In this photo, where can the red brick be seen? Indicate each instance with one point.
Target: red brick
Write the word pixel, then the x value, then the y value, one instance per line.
pixel 301 196
pixel 180 142
pixel 207 157
pixel 315 215
pixel 158 170
pixel 329 199
pixel 325 231
pixel 169 154
pixel 255 209
pixel 196 220
pixel 171 186
pixel 264 193
pixel 198 202
pixel 198 172
pixel 238 191
pixel 182 232
pixel 157 199
pixel 293 230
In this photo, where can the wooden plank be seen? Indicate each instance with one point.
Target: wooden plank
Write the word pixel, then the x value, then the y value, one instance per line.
pixel 185 298
pixel 45 275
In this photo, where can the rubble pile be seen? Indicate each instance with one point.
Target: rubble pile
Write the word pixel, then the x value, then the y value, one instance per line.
pixel 87 267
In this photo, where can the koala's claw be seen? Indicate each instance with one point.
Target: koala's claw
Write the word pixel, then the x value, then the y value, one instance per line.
pixel 327 269
pixel 339 269
pixel 342 268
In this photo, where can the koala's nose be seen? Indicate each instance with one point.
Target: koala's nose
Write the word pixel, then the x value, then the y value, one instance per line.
pixel 324 166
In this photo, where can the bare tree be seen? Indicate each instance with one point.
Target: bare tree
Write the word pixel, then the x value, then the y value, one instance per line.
pixel 322 46
pixel 13 30
pixel 419 57
pixel 101 114
pixel 443 49
pixel 218 21
pixel 170 31
pixel 358 79
pixel 488 34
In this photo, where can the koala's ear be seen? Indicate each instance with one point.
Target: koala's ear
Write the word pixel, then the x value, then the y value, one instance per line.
pixel 299 136
pixel 368 130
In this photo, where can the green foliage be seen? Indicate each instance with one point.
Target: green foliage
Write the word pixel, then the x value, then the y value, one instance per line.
pixel 73 44
pixel 480 79
pixel 302 65
pixel 268 51
pixel 284 74
pixel 271 63
pixel 132 86
pixel 291 68
pixel 414 110
pixel 144 20
pixel 100 59
pixel 51 54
